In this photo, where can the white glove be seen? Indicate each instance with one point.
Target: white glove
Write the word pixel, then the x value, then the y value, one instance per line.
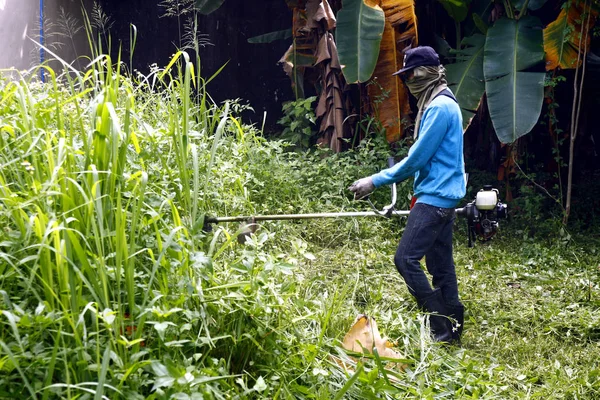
pixel 362 188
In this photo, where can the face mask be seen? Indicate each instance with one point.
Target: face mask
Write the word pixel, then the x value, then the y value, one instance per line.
pixel 419 82
pixel 415 87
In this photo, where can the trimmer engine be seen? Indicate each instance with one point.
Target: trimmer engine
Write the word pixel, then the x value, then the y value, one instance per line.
pixel 483 214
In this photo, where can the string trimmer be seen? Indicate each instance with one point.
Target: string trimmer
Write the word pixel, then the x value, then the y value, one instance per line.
pixel 482 214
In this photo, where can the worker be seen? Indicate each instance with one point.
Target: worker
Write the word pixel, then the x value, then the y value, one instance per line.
pixel 436 161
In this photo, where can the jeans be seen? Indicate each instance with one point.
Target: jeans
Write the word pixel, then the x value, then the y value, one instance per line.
pixel 428 233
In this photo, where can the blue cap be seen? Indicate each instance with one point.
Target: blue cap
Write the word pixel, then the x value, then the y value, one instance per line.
pixel 419 57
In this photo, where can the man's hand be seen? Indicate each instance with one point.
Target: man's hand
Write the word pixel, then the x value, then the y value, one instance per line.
pixel 362 188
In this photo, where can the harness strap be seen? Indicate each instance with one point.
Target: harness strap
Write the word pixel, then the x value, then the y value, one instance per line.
pixel 447 93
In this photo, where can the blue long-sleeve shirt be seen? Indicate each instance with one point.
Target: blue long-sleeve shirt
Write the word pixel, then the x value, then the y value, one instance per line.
pixel 436 159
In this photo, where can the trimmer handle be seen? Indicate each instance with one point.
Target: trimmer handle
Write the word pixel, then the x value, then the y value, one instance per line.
pixel 390 207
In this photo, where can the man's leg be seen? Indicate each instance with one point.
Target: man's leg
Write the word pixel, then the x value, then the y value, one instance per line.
pixel 422 230
pixel 418 237
pixel 440 264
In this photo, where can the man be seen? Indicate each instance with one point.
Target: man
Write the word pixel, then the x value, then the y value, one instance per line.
pixel 436 161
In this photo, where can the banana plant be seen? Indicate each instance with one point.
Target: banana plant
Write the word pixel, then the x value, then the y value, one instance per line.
pixel 388 96
pixel 359 30
pixel 506 63
pixel 208 6
pixel 457 9
pixel 362 50
pixel 505 82
pixel 562 36
pixel 529 4
pixel 513 48
pixel 465 76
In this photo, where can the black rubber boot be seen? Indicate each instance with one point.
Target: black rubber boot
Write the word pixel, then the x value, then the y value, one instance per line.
pixel 441 328
pixel 457 313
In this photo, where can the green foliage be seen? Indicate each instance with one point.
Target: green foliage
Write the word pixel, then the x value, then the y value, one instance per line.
pixel 298 122
pixel 531 4
pixel 457 9
pixel 109 286
pixel 514 93
pixel 534 306
pixel 271 36
pixel 511 64
pixel 465 76
pixel 190 39
pixel 358 36
pixel 208 6
pixel 536 213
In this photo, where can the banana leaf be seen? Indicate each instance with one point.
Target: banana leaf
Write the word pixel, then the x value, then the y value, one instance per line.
pixel 332 105
pixel 294 64
pixel 480 24
pixel 532 5
pixel 358 36
pixel 271 36
pixel 318 11
pixel 441 46
pixel 480 16
pixel 208 6
pixel 561 37
pixel 593 62
pixel 457 9
pixel 513 48
pixel 388 96
pixel 465 76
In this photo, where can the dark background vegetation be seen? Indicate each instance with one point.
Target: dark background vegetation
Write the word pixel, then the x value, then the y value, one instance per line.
pixel 253 75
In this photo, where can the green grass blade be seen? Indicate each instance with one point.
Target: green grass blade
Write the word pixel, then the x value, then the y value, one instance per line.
pixel 102 377
pixel 339 395
pixel 15 362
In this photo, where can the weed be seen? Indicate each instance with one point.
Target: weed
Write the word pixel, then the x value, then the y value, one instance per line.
pixel 299 123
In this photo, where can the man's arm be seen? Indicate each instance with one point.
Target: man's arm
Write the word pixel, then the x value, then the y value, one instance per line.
pixel 431 133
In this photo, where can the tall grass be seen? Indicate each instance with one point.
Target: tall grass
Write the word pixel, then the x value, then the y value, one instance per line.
pixel 80 162
pixel 111 286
